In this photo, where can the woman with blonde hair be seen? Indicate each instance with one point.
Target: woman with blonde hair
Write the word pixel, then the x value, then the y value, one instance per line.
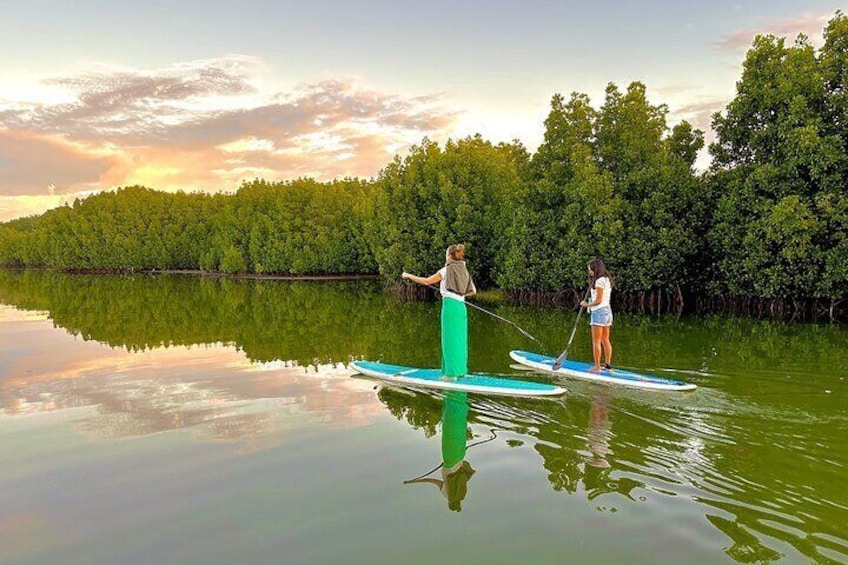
pixel 455 285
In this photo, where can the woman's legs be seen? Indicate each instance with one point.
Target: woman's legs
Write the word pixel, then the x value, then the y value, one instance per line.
pixel 605 342
pixel 601 344
pixel 597 338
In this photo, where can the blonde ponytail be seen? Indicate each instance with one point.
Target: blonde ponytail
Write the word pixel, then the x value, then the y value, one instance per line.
pixel 457 252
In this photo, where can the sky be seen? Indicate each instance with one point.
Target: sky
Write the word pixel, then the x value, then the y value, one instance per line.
pixel 200 95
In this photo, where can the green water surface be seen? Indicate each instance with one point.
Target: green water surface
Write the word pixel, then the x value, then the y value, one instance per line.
pixel 180 419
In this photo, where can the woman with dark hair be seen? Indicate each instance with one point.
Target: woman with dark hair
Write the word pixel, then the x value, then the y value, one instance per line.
pixel 455 285
pixel 600 281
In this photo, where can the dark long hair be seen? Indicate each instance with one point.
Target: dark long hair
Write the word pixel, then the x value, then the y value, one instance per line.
pixel 598 270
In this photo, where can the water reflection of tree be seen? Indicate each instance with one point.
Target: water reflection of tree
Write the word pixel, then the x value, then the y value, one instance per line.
pixel 781 445
pixel 328 321
pixel 309 322
pixel 421 411
pixel 778 481
pixel 746 547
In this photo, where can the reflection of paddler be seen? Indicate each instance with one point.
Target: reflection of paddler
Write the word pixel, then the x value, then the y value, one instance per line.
pixel 598 434
pixel 455 285
pixel 456 471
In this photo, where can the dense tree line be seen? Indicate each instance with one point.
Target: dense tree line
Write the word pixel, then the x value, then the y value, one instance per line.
pixel 613 183
pixel 292 227
pixel 465 192
pixel 780 173
pixel 765 227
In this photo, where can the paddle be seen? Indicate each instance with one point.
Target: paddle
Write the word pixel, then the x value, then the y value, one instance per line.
pixel 564 354
pixel 492 314
pixel 442 464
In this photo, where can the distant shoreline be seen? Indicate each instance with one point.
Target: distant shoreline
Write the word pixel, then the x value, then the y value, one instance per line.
pixel 200 273
pixel 265 277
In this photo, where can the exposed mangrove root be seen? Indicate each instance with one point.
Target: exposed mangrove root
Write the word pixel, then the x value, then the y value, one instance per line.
pixel 776 308
pixel 674 301
pixel 412 292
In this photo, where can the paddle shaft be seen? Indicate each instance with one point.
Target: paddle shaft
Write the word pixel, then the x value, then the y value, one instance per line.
pixel 442 464
pixel 492 314
pixel 558 363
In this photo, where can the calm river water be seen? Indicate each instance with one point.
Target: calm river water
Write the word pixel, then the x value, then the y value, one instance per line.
pixel 177 419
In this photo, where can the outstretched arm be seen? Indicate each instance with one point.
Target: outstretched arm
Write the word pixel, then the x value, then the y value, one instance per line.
pixel 432 279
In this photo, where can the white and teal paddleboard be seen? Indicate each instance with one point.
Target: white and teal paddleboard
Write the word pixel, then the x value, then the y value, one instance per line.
pixel 433 378
pixel 581 371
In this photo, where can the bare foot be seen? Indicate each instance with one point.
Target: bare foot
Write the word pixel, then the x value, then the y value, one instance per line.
pixel 595 369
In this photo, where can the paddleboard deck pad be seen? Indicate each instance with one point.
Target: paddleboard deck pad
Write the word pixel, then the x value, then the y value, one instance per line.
pixel 433 378
pixel 615 376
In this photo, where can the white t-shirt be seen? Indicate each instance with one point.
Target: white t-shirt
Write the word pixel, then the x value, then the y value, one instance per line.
pixel 603 283
pixel 443 288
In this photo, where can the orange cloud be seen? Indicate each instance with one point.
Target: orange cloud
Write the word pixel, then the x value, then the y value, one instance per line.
pixel 34 163
pixel 202 125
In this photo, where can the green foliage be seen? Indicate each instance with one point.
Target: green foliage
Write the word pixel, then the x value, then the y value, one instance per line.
pixel 464 193
pixel 629 133
pixel 685 142
pixel 232 262
pixel 550 232
pixel 296 227
pixel 780 169
pixel 134 227
pixel 610 183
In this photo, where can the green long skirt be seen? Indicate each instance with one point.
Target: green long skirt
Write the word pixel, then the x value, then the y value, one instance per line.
pixel 454 337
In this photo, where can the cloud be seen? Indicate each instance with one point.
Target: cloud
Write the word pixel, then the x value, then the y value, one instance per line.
pixel 698 111
pixel 811 25
pixel 213 102
pixel 205 125
pixel 33 163
pixel 700 114
pixel 119 104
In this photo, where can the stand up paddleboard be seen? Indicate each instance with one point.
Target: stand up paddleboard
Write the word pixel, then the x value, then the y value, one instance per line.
pixel 433 378
pixel 581 371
